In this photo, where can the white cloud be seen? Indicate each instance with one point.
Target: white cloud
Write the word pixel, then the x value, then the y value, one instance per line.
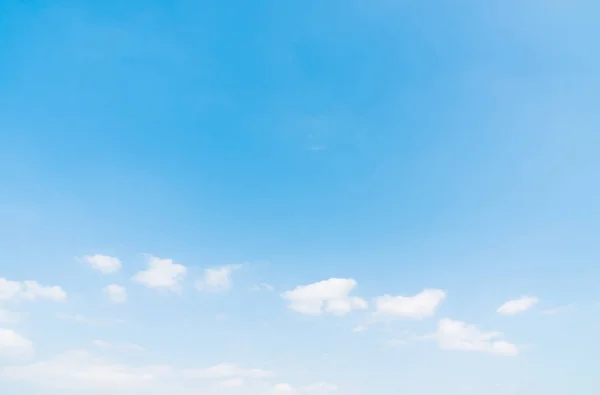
pixel 9 317
pixel 116 293
pixel 331 296
pixel 226 370
pixel 9 289
pixel 217 279
pixel 457 335
pixel 262 287
pixel 518 305
pixel 161 274
pixel 124 346
pixel 103 263
pixel 421 305
pixel 79 370
pixel 557 310
pixel 30 290
pixel 359 328
pixel 14 345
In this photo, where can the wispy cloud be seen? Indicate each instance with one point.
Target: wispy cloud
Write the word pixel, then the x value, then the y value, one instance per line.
pixel 318 148
pixel 262 287
pixel 557 310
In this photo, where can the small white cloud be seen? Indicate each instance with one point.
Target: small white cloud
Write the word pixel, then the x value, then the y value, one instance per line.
pixel 517 306
pixel 457 335
pixel 421 305
pixel 262 287
pixel 116 293
pixel 103 263
pixel 14 345
pixel 217 279
pixel 30 290
pixel 225 371
pixel 331 296
pixel 161 274
pixel 359 328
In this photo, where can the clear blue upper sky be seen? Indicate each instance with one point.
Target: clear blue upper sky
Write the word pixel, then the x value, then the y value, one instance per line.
pixel 253 177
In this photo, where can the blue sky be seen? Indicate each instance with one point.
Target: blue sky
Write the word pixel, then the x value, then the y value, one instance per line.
pixel 299 197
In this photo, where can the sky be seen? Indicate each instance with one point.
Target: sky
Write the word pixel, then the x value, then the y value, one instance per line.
pixel 309 197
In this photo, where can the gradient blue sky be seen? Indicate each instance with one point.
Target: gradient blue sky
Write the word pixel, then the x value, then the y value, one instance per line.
pixel 405 148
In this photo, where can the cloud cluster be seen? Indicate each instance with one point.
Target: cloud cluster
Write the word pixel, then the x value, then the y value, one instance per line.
pixel 457 335
pixel 161 274
pixel 421 305
pixel 103 263
pixel 217 279
pixel 30 290
pixel 331 296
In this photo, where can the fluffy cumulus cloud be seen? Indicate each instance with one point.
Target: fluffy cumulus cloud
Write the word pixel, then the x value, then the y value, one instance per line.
pixel 217 279
pixel 103 263
pixel 14 345
pixel 517 306
pixel 331 296
pixel 161 274
pixel 30 290
pixel 116 293
pixel 457 335
pixel 421 305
